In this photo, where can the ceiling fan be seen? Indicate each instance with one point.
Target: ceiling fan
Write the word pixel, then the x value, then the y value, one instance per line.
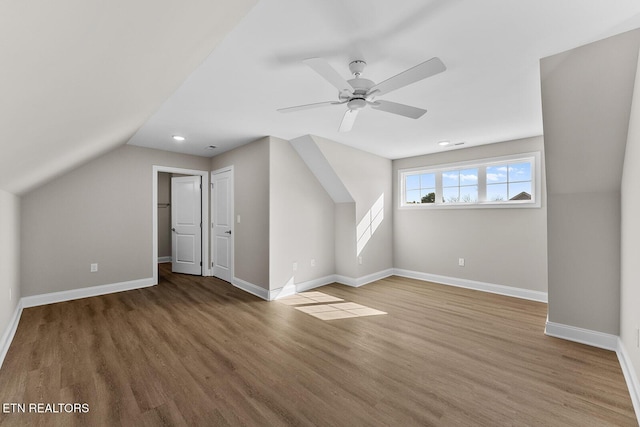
pixel 359 92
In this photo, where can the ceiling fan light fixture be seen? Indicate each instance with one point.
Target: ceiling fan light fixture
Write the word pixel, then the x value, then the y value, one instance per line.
pixel 444 143
pixel 179 138
pixel 357 104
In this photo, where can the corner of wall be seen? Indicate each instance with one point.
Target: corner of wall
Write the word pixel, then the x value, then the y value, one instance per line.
pixel 10 289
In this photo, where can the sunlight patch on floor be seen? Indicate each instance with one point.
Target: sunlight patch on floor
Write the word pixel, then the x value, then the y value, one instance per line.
pixel 343 310
pixel 308 298
pixel 339 311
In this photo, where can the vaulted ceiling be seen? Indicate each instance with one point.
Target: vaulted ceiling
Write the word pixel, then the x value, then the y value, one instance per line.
pixel 79 78
pixel 490 91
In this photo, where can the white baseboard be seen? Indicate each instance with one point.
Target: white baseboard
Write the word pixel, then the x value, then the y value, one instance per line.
pixel 360 281
pixel 473 284
pixel 164 259
pixel 251 288
pixel 630 376
pixel 7 337
pixel 90 291
pixel 292 289
pixel 287 290
pixel 583 336
pixel 315 283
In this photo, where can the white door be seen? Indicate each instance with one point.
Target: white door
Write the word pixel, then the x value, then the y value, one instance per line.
pixel 222 224
pixel 186 225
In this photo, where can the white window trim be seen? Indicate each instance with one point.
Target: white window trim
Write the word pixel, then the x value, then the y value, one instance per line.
pixel 481 164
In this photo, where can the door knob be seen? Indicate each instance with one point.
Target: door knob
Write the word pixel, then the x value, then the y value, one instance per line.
pixel 173 229
pixel 228 232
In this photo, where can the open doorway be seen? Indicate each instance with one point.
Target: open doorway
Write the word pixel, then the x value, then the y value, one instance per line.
pixel 204 207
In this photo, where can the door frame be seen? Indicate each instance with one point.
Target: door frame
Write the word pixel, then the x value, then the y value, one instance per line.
pixel 204 204
pixel 233 220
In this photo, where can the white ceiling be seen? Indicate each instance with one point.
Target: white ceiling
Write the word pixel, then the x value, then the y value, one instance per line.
pixel 489 93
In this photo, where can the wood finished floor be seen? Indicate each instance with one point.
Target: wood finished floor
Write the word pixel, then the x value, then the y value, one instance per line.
pixel 197 351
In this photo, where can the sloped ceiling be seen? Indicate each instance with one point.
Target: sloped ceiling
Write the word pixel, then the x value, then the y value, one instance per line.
pixel 490 91
pixel 78 78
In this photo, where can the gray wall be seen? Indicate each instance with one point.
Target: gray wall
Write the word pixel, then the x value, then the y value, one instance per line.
pixel 586 101
pixel 301 220
pixel 366 177
pixel 500 246
pixel 9 257
pixel 287 216
pixel 251 202
pixel 97 213
pixel 630 268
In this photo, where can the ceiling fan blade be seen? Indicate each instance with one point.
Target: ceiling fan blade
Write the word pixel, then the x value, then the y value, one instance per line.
pixel 325 70
pixel 308 106
pixel 348 120
pixel 421 71
pixel 400 109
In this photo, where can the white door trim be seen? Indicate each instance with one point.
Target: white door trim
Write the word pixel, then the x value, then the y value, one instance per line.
pixel 206 270
pixel 233 219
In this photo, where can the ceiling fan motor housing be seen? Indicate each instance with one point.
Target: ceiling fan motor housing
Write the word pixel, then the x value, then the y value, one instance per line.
pixel 360 89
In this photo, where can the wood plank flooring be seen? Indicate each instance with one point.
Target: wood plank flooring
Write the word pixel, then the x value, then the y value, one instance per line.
pixel 197 351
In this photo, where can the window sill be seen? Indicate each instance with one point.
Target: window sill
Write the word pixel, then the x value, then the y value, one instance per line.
pixel 488 205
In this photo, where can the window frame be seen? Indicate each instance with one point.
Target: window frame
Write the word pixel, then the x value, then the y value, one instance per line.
pixel 481 164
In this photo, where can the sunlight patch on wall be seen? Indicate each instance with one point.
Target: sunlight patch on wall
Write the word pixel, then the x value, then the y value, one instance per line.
pixel 370 223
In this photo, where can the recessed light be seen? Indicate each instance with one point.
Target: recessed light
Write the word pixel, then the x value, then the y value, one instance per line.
pixel 443 143
pixel 179 138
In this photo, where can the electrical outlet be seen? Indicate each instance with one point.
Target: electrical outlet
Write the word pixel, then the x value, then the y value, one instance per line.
pixel 94 268
pixel 313 262
pixel 295 266
pixel 461 262
pixel 238 219
pixel 360 260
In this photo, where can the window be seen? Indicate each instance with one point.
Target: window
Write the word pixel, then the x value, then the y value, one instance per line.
pixel 421 188
pixel 509 181
pixel 460 186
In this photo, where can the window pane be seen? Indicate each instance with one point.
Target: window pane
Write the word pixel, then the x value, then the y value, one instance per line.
pixel 428 180
pixel 496 174
pixel 412 182
pixel 469 194
pixel 413 196
pixel 497 192
pixel 520 172
pixel 428 195
pixel 520 191
pixel 450 195
pixel 451 179
pixel 468 176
